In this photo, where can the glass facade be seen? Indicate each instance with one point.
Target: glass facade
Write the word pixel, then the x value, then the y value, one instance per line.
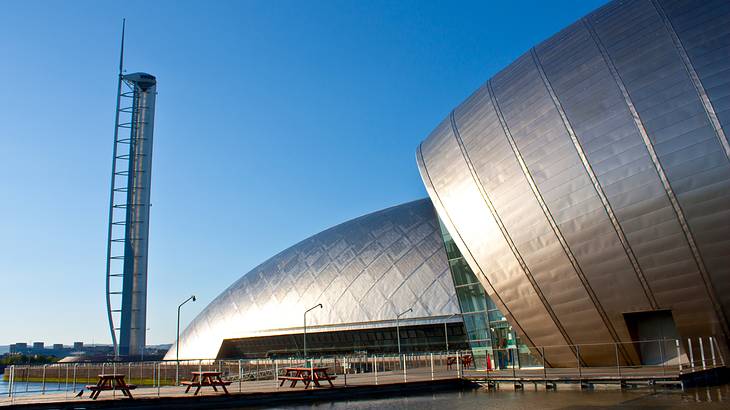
pixel 413 338
pixel 491 338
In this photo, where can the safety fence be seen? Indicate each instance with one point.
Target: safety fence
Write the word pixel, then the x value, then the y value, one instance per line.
pixel 646 359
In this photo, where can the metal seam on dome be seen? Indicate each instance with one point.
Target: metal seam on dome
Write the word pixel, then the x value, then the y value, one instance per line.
pixel 508 238
pixel 436 199
pixel 709 288
pixel 596 185
pixel 349 285
pixel 695 78
pixel 403 283
pixel 551 220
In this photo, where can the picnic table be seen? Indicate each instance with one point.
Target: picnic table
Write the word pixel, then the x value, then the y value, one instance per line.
pixel 466 361
pixel 206 378
pixel 110 382
pixel 306 375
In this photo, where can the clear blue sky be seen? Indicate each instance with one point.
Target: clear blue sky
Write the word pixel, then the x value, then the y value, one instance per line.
pixel 275 120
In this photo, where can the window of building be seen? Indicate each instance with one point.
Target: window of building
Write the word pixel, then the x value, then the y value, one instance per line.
pixel 491 338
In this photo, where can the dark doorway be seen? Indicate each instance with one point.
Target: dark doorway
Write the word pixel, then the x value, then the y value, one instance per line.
pixel 654 333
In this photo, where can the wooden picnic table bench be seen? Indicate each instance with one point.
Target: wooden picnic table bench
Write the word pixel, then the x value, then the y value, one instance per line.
pixel 206 378
pixel 110 382
pixel 306 375
pixel 466 361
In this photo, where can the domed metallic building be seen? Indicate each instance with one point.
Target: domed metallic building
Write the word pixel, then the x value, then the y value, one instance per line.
pixel 588 183
pixel 365 272
pixel 584 196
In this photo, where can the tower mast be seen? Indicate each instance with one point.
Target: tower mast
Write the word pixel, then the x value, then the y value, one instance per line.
pixel 129 209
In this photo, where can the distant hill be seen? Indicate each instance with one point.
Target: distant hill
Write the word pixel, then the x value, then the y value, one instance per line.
pixel 4 349
pixel 164 346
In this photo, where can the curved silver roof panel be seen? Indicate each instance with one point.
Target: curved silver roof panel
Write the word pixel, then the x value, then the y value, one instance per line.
pixel 591 177
pixel 363 271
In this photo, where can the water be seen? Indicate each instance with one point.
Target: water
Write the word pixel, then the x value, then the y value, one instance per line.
pixel 701 398
pixel 23 388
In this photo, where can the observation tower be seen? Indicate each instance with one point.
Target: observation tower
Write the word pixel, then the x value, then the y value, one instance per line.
pixel 129 211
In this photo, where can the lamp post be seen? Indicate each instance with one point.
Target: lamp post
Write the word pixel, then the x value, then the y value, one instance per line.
pixel 397 326
pixel 446 332
pixel 177 341
pixel 305 327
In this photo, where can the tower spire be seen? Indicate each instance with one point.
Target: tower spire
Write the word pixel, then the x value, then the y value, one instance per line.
pixel 121 51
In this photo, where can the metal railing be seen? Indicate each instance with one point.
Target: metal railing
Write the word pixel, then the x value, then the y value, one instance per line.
pixel 667 358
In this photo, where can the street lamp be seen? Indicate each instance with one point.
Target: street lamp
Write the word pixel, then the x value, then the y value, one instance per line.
pixel 177 341
pixel 397 326
pixel 305 327
pixel 446 332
